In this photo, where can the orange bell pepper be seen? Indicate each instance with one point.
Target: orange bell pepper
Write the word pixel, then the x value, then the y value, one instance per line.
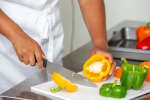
pixel 96 68
pixel 147 64
pixel 118 73
pixel 143 32
pixel 146 98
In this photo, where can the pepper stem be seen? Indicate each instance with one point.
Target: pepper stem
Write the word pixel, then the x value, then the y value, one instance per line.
pixel 124 60
pixel 148 25
pixel 114 84
pixel 54 90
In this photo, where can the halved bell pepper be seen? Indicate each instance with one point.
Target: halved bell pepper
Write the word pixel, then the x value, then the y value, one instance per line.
pixel 112 90
pixel 145 44
pixel 147 65
pixel 96 68
pixel 143 32
pixel 63 82
pixel 133 76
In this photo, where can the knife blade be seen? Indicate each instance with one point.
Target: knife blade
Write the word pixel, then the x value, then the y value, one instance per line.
pixel 72 76
pixel 12 98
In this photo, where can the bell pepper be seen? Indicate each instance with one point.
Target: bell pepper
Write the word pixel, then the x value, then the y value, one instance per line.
pixel 147 64
pixel 145 44
pixel 133 76
pixel 96 68
pixel 62 82
pixel 146 98
pixel 112 90
pixel 118 73
pixel 143 32
pixel 55 90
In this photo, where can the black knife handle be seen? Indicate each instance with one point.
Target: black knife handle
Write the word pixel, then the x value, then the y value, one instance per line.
pixel 44 62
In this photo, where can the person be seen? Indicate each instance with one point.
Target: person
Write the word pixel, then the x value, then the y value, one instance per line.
pixel 32 30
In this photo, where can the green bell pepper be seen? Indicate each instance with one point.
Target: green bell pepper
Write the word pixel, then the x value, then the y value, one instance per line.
pixel 133 76
pixel 112 90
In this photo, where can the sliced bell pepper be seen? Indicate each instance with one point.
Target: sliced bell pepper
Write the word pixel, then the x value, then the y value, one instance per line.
pixel 147 65
pixel 112 90
pixel 96 68
pixel 145 44
pixel 63 82
pixel 143 32
pixel 133 76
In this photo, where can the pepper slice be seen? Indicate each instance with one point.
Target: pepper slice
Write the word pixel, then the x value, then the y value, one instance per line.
pixel 113 90
pixel 64 83
pixel 133 76
pixel 96 68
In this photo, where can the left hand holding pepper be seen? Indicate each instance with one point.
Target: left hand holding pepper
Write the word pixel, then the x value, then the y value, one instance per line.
pixel 106 54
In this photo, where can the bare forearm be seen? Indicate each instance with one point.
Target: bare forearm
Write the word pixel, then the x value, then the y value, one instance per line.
pixel 94 15
pixel 7 27
pixel 26 48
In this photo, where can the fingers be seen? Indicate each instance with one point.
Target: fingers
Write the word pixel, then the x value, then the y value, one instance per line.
pixel 26 60
pixel 20 57
pixel 109 57
pixel 106 54
pixel 113 67
pixel 29 57
pixel 32 59
pixel 39 58
pixel 28 50
pixel 107 77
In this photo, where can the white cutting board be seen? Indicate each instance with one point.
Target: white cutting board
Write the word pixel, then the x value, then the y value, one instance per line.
pixel 87 93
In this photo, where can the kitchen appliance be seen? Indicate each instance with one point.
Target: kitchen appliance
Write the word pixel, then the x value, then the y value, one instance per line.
pixel 123 44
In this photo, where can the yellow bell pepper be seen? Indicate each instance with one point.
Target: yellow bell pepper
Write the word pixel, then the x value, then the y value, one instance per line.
pixel 63 82
pixel 96 68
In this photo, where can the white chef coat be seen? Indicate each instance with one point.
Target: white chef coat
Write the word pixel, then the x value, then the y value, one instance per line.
pixel 39 19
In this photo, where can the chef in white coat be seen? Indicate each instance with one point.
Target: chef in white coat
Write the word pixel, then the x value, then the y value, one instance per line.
pixel 32 29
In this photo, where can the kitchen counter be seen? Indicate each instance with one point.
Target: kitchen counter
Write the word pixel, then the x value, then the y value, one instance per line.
pixel 73 61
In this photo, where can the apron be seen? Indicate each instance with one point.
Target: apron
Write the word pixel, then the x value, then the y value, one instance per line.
pixel 40 19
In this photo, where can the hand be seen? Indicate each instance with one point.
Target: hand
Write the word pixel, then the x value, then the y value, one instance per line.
pixel 106 54
pixel 27 50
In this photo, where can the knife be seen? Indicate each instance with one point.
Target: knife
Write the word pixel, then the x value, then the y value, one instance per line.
pixel 72 76
pixel 12 98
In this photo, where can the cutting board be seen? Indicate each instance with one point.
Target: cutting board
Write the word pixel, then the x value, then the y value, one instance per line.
pixel 87 93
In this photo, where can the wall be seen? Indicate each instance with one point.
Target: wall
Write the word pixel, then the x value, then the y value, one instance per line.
pixel 66 16
pixel 119 10
pixel 116 11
